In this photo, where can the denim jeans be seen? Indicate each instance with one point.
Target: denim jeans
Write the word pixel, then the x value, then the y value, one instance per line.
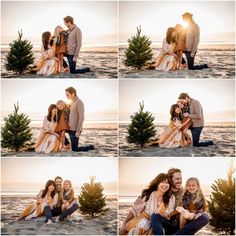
pixel 48 213
pixel 190 61
pixel 68 212
pixel 75 143
pixel 196 132
pixel 193 226
pixel 72 65
pixel 161 226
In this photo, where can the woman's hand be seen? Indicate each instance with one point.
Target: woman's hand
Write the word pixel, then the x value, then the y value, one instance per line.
pixel 122 230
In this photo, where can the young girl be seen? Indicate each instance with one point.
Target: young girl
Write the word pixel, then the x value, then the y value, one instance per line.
pixel 48 141
pixel 62 122
pixel 46 197
pixel 68 197
pixel 186 121
pixel 194 203
pixel 180 46
pixel 61 39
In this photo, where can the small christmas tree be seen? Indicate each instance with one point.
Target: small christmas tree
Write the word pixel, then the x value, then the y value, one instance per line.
pixel 16 131
pixel 91 199
pixel 139 51
pixel 142 127
pixel 20 56
pixel 222 203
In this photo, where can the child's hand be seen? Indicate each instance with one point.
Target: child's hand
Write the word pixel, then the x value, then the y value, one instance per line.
pixel 67 204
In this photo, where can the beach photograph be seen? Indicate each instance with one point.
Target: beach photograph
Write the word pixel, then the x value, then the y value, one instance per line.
pixel 65 39
pixel 43 118
pixel 71 187
pixel 177 118
pixel 146 178
pixel 177 39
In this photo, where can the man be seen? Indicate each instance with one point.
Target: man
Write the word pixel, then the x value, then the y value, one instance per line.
pixel 196 114
pixel 192 40
pixel 56 211
pixel 171 225
pixel 74 44
pixel 76 119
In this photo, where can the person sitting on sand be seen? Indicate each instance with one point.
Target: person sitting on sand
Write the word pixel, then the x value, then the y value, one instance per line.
pixel 173 135
pixel 193 202
pixel 48 63
pixel 186 120
pixel 46 197
pixel 180 44
pixel 48 140
pixel 167 60
pixel 155 199
pixel 61 37
pixel 63 113
pixel 192 41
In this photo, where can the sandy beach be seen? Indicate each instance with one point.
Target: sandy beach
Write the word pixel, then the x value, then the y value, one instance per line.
pixel 222 136
pixel 221 64
pixel 104 224
pixel 102 62
pixel 125 207
pixel 104 140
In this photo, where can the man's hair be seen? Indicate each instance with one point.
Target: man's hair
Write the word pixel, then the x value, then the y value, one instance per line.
pixel 68 19
pixel 183 96
pixel 58 177
pixel 171 172
pixel 71 90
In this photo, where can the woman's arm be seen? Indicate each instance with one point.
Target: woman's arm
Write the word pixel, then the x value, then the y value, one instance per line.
pixel 127 219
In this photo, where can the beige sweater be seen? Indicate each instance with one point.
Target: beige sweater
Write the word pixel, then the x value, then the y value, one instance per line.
pixel 192 37
pixel 74 42
pixel 196 113
pixel 76 117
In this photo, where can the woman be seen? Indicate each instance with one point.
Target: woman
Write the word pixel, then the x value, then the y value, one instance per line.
pixel 173 135
pixel 46 197
pixel 167 60
pixel 48 63
pixel 180 44
pixel 48 141
pixel 155 199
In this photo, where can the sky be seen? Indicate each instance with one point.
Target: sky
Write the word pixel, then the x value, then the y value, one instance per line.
pixel 216 96
pixel 34 96
pixel 97 20
pixel 136 173
pixel 22 173
pixel 216 19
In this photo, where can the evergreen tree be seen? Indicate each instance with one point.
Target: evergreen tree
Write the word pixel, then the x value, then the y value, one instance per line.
pixel 91 198
pixel 139 51
pixel 142 127
pixel 16 131
pixel 20 56
pixel 222 203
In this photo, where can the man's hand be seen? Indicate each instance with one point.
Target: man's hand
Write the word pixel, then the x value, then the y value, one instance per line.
pixel 192 54
pixel 77 134
pixel 74 59
pixel 186 115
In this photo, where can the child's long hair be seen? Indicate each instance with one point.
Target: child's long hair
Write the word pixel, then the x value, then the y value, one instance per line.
pixel 200 195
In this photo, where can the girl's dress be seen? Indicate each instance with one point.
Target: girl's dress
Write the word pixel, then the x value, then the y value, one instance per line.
pixel 142 211
pixel 171 137
pixel 166 61
pixel 63 120
pixel 46 141
pixel 69 196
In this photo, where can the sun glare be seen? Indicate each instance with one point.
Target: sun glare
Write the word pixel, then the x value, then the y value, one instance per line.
pixel 185 25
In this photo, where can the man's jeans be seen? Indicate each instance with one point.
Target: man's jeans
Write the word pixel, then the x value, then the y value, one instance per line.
pixel 190 61
pixel 48 213
pixel 193 226
pixel 196 132
pixel 68 212
pixel 75 143
pixel 161 226
pixel 72 65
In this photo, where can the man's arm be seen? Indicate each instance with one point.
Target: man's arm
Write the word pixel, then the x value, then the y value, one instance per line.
pixel 197 112
pixel 78 36
pixel 80 110
pixel 196 32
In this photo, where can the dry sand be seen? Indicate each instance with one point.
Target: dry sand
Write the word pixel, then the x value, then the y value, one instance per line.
pixel 221 64
pixel 223 137
pixel 104 224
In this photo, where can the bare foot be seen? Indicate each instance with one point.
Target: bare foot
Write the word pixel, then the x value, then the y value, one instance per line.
pixel 49 222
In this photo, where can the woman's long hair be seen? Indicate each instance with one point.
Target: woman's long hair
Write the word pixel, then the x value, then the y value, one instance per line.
pixel 169 37
pixel 49 182
pixel 49 116
pixel 45 39
pixel 173 115
pixel 153 187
